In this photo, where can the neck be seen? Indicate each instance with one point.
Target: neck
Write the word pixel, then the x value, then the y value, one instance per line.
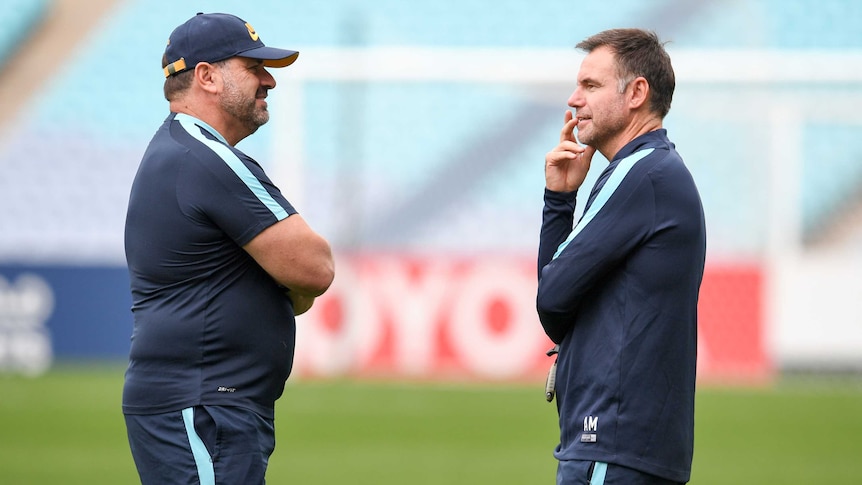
pixel 212 117
pixel 636 128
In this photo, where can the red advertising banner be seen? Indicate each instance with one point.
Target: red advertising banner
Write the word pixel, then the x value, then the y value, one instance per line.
pixel 474 318
pixel 731 325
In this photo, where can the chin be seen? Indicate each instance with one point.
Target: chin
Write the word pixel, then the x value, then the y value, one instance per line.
pixel 584 139
pixel 261 119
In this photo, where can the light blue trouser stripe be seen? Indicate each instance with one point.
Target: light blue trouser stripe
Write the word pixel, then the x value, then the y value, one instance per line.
pixel 599 471
pixel 607 191
pixel 206 473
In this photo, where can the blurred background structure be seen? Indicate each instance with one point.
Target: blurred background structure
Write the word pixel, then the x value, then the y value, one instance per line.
pixel 412 135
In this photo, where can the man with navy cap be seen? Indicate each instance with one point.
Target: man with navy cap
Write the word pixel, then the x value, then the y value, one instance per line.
pixel 219 262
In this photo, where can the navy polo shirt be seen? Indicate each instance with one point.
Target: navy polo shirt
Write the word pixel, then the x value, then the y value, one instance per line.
pixel 619 293
pixel 211 327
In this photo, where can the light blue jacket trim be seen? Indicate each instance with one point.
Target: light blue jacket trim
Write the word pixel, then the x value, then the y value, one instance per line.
pixel 605 193
pixel 206 473
pixel 188 123
pixel 599 471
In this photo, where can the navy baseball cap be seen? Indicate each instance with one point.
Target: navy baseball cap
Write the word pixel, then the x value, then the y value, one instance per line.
pixel 214 37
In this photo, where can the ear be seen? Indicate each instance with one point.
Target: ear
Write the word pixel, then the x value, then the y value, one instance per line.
pixel 639 92
pixel 208 77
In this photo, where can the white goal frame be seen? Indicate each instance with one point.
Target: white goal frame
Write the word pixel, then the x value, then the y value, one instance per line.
pixel 813 305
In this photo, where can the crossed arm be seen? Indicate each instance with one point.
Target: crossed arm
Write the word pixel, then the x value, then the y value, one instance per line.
pixel 297 258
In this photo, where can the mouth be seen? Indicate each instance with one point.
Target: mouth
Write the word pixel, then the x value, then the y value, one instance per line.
pixel 262 99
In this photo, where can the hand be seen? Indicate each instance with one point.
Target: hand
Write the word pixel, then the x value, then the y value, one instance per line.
pixel 566 166
pixel 301 302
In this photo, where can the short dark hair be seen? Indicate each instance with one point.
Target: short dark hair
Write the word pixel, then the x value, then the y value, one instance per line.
pixel 639 53
pixel 176 83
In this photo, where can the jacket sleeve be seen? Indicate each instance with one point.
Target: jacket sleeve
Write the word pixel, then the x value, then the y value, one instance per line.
pixel 599 247
pixel 557 218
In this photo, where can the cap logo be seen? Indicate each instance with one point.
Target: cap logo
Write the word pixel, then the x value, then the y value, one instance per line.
pixel 251 32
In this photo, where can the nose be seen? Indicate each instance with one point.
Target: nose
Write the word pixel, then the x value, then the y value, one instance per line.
pixel 266 79
pixel 576 100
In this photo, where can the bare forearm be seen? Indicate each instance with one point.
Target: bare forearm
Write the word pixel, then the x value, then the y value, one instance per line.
pixel 295 256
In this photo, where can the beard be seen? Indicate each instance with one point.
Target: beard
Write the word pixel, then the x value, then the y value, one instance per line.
pixel 604 125
pixel 597 134
pixel 242 107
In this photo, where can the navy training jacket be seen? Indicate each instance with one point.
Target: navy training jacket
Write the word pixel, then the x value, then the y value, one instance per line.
pixel 618 293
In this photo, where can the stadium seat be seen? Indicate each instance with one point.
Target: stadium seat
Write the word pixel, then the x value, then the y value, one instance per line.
pixel 90 125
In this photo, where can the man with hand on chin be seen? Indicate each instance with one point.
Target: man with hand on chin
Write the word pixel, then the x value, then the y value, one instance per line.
pixel 618 291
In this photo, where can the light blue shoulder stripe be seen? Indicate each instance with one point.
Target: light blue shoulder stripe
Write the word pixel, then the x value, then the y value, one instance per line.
pixel 605 193
pixel 206 472
pixel 188 123
pixel 599 471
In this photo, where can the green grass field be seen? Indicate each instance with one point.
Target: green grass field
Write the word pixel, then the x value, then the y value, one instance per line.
pixel 66 427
